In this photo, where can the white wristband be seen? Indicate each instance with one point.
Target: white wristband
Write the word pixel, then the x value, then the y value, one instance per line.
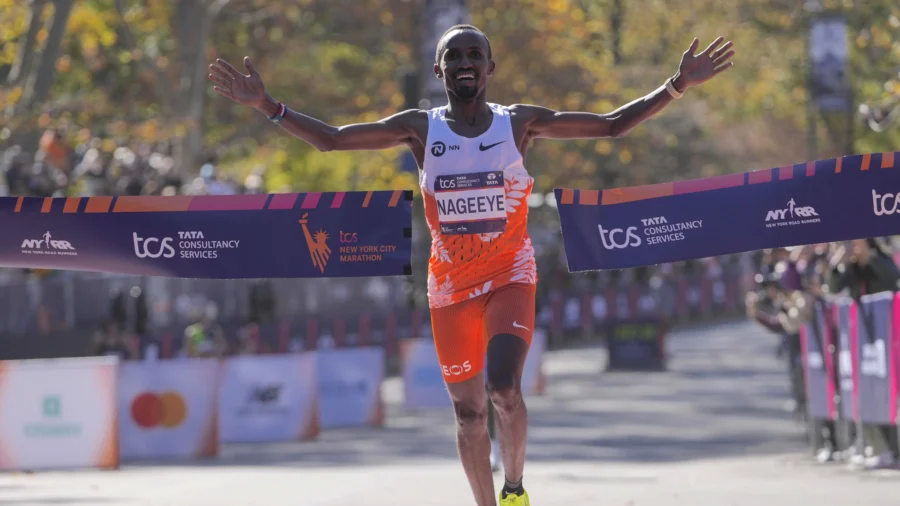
pixel 671 89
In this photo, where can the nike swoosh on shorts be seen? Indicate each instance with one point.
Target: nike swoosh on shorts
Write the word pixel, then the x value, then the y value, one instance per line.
pixel 516 325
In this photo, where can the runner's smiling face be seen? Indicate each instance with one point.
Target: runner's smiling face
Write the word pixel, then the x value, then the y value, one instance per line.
pixel 465 64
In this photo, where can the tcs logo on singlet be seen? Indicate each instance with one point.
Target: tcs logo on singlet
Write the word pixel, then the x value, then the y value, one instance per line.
pixel 166 410
pixel 456 370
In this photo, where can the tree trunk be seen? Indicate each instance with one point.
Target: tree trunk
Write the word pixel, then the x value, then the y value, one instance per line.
pixel 615 23
pixel 38 93
pixel 191 99
pixel 47 67
pixel 25 56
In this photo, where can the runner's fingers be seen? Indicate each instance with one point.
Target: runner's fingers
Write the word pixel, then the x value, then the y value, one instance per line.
pixel 714 44
pixel 723 68
pixel 220 81
pixel 223 92
pixel 219 71
pixel 227 66
pixel 719 52
pixel 722 59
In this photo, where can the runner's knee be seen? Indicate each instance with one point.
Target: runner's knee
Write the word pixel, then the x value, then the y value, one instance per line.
pixel 470 416
pixel 504 378
pixel 505 359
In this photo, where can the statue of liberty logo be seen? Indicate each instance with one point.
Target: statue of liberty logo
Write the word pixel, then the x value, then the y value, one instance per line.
pixel 317 244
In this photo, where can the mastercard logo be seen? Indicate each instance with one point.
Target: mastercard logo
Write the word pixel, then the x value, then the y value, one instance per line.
pixel 166 409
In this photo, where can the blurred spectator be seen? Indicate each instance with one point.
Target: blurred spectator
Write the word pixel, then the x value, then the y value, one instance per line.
pixel 863 267
pixel 205 338
pixel 118 308
pixel 262 301
pixel 783 309
pixel 109 341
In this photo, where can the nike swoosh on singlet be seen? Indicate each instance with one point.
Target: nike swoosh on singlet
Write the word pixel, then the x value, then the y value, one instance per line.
pixel 482 147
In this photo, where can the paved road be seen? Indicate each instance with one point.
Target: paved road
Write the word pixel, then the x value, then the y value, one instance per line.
pixel 712 431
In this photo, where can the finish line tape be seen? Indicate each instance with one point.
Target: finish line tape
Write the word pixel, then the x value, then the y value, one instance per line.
pixel 292 235
pixel 851 197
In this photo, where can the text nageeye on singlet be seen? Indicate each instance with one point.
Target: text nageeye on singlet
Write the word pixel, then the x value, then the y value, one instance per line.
pixel 471 203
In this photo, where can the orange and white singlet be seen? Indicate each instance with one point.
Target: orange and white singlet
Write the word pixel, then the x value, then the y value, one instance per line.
pixel 475 192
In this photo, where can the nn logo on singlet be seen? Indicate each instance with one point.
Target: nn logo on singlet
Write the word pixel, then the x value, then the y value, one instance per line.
pixel 317 244
pixel 438 148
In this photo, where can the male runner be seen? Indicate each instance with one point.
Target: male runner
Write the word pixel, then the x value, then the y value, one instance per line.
pixel 481 274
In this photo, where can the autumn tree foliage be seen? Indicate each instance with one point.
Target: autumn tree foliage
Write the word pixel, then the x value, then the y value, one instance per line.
pixel 135 71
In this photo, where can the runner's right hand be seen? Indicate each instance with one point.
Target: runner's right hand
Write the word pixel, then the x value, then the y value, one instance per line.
pixel 243 89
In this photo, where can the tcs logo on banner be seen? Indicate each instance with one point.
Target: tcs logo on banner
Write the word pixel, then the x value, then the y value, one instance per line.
pixel 618 238
pixel 166 410
pixel 885 204
pixel 152 247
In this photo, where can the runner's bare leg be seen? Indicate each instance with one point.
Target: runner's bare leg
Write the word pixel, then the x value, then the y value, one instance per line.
pixel 470 406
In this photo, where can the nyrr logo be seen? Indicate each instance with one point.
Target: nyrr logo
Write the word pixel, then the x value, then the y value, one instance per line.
pixel 793 210
pixel 438 148
pixel 613 238
pixel 48 246
pixel 885 204
pixel 318 245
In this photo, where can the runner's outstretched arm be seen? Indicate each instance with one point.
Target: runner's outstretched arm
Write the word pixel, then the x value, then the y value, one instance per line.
pixel 695 69
pixel 249 90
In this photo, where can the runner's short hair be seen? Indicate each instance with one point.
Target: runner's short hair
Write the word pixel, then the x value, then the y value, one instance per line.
pixel 442 42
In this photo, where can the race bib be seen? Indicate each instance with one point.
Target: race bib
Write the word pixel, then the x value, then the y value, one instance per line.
pixel 471 203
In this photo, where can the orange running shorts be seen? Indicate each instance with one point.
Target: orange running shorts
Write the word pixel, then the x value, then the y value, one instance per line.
pixel 463 330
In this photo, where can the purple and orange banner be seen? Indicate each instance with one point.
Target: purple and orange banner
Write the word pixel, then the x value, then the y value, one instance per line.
pixel 289 235
pixel 851 197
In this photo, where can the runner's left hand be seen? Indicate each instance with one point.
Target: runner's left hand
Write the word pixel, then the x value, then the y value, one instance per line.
pixel 698 68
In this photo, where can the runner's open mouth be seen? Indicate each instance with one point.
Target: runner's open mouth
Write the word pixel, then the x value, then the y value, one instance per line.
pixel 465 76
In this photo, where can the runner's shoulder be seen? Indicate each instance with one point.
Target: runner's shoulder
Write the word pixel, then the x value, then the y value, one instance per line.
pixel 410 117
pixel 526 113
pixel 413 120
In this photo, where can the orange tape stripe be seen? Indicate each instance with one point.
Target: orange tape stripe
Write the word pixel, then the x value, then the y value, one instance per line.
pixel 589 197
pixel 567 197
pixel 71 205
pixel 367 199
pixel 152 204
pixel 865 162
pixel 837 168
pixel 887 160
pixel 19 204
pixel 633 193
pixel 48 203
pixel 98 205
pixel 395 197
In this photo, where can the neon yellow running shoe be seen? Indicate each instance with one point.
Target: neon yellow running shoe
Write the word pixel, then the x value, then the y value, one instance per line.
pixel 515 500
